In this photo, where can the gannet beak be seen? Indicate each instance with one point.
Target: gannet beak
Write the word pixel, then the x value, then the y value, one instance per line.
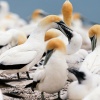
pixel 65 30
pixel 44 14
pixel 0 7
pixel 79 75
pixel 93 42
pixel 84 19
pixel 48 55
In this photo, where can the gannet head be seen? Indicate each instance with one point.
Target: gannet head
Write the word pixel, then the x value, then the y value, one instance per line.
pixel 52 33
pixel 53 45
pixel 94 33
pixel 18 36
pixel 76 16
pixel 4 6
pixel 67 10
pixel 77 19
pixel 53 21
pixel 38 14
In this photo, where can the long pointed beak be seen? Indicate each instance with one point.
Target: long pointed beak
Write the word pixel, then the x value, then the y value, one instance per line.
pixel 48 55
pixel 43 14
pixel 84 19
pixel 65 30
pixel 93 42
pixel 79 75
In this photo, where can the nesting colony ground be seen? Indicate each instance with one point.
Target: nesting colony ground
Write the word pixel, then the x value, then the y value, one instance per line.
pixel 28 94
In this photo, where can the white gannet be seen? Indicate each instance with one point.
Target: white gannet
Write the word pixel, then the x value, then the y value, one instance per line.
pixel 11 38
pixel 86 82
pixel 52 77
pixel 67 9
pixel 21 58
pixel 37 15
pixel 76 55
pixel 77 25
pixel 92 61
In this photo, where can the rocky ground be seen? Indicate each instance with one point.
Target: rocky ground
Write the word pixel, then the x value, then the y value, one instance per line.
pixel 28 94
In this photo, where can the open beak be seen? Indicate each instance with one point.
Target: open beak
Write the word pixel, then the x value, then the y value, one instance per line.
pixel 48 55
pixel 93 42
pixel 65 30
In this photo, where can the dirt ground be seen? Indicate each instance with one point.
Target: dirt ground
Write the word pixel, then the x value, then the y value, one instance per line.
pixel 27 93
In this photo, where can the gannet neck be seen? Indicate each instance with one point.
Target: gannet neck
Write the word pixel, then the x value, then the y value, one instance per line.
pixel 67 10
pixel 38 34
pixel 74 44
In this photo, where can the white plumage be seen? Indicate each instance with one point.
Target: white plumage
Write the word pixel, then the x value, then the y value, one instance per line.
pixel 52 77
pixel 1 96
pixel 10 39
pixel 92 61
pixel 94 95
pixel 25 56
pixel 86 83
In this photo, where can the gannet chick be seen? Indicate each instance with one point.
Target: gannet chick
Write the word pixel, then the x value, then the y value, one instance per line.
pixel 92 61
pixel 94 95
pixel 86 83
pixel 54 70
pixel 14 60
pixel 11 38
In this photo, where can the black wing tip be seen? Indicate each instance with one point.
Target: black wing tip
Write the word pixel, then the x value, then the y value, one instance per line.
pixel 13 95
pixel 79 74
pixel 28 85
pixel 12 80
pixel 4 85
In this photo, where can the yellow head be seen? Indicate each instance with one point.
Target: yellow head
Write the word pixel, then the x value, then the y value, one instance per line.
pixel 18 36
pixel 49 20
pixel 94 31
pixel 52 33
pixel 8 16
pixel 38 14
pixel 67 10
pixel 53 21
pixel 76 16
pixel 21 38
pixel 56 44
